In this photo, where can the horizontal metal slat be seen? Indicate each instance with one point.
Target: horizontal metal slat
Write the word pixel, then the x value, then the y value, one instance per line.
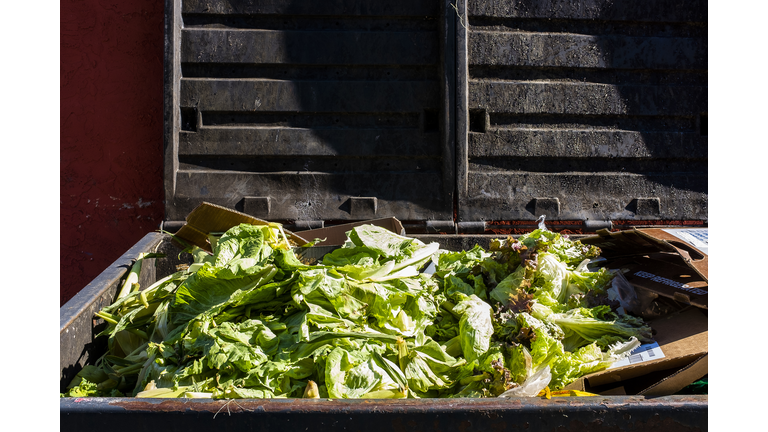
pixel 586 143
pixel 308 47
pixel 583 196
pixel 339 165
pixel 646 10
pixel 317 196
pixel 292 7
pixel 585 51
pixel 314 96
pixel 586 98
pixel 278 141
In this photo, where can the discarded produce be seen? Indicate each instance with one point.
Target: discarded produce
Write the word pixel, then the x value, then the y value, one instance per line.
pixel 250 320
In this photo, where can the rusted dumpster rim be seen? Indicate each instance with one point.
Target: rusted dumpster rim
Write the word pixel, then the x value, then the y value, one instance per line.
pixel 351 406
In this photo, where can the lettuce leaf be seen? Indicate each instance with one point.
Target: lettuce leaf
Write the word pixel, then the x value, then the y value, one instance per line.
pixel 475 327
pixel 583 326
pixel 252 321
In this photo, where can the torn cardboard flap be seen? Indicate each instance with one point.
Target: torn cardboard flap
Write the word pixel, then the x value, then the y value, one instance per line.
pixel 682 338
pixel 336 235
pixel 210 218
pixel 636 242
pixel 658 261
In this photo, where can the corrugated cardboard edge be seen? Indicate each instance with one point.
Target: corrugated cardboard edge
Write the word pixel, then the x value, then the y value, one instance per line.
pixel 211 218
pixel 680 379
pixel 661 239
pixel 337 234
pixel 656 244
pixel 701 265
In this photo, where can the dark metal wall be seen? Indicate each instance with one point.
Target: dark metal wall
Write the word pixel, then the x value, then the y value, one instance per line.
pixel 583 110
pixel 431 111
pixel 310 111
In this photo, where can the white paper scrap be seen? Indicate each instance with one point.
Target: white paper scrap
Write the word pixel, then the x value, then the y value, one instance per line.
pixel 697 237
pixel 643 353
pixel 430 269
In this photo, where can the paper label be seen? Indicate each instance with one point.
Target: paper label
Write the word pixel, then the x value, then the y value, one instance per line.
pixel 643 353
pixel 696 237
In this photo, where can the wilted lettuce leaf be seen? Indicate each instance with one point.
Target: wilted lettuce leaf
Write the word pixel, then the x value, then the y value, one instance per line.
pixel 569 252
pixel 456 289
pixel 205 293
pixel 351 373
pixel 512 290
pixel 230 345
pixel 384 242
pixel 475 327
pixel 583 326
pixel 587 359
pixel 242 242
pixel 376 254
pixel 430 367
pixel 459 263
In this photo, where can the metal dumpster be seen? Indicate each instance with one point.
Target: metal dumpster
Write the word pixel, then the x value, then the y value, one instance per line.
pixel 466 120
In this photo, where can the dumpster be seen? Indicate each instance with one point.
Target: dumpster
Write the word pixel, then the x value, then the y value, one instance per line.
pixel 464 120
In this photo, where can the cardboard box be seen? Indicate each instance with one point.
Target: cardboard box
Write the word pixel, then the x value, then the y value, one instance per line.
pixel 669 274
pixel 659 261
pixel 682 339
pixel 210 218
pixel 336 235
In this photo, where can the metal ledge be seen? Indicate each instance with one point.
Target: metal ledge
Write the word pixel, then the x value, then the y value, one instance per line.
pixel 604 413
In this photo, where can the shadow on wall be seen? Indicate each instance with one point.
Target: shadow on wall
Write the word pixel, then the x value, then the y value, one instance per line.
pixel 658 66
pixel 314 104
pixel 344 101
pixel 613 92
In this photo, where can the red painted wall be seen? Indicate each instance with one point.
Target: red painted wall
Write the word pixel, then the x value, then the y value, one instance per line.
pixel 111 132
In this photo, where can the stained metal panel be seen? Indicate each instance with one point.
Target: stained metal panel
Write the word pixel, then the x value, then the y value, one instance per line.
pixel 589 110
pixel 308 106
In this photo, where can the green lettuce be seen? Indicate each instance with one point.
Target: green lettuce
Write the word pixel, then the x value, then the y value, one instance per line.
pixel 475 327
pixel 250 320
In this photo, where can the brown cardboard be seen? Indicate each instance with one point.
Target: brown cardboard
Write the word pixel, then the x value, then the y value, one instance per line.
pixel 655 260
pixel 656 273
pixel 682 337
pixel 210 218
pixel 680 379
pixel 336 235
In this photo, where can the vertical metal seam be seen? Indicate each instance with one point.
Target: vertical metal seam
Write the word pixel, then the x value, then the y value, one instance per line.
pixel 462 163
pixel 171 84
pixel 448 92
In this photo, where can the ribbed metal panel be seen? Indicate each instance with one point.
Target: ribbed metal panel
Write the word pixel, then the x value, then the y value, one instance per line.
pixel 596 105
pixel 309 105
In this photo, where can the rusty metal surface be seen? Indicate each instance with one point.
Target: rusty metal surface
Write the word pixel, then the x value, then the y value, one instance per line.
pixel 604 413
